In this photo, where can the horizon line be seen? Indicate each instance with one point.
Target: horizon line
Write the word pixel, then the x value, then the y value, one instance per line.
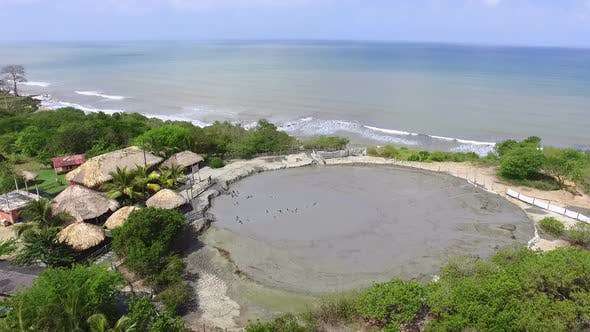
pixel 307 40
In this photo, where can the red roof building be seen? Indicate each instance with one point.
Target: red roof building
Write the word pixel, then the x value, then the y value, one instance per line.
pixel 68 163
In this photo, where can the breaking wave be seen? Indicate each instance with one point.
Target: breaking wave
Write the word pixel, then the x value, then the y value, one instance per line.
pixel 99 94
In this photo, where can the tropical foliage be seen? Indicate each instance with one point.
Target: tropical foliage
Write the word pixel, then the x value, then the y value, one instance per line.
pixel 515 290
pixel 63 300
pixel 38 236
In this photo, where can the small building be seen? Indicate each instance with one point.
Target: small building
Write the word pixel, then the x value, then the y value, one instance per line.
pixel 166 199
pixel 83 204
pixel 12 203
pixel 81 236
pixel 183 159
pixel 68 163
pixel 97 170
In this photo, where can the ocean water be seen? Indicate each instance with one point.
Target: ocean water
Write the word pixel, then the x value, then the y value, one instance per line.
pixel 455 97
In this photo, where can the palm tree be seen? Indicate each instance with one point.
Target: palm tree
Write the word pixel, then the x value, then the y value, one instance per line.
pixel 123 186
pixel 39 212
pixel 146 180
pixel 170 177
pixel 99 323
pixel 38 215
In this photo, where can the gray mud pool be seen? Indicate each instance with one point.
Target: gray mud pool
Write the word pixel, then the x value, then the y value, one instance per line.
pixel 329 229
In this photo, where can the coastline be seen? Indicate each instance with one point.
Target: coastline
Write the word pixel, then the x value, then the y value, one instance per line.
pixel 302 127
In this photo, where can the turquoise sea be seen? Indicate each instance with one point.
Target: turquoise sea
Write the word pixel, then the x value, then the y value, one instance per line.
pixel 414 94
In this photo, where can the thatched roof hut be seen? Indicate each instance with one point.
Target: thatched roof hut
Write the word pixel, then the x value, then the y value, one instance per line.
pixel 119 217
pixel 166 199
pixel 81 236
pixel 183 159
pixel 96 171
pixel 83 203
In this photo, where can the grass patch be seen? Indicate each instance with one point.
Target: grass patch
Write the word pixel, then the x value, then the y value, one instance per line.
pixel 552 226
pixel 51 183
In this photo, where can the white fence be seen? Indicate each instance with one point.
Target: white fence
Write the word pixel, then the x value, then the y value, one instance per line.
pixel 546 205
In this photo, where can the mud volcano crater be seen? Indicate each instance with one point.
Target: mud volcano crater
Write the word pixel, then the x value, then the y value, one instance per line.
pixel 327 229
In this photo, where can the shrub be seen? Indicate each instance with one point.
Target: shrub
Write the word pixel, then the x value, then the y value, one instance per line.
pixel 517 290
pixel 392 304
pixel 285 323
pixel 168 322
pixel 216 162
pixel 142 313
pixel 328 143
pixel 579 234
pixel 552 226
pixel 564 164
pixel 176 296
pixel 387 151
pixel 63 299
pixel 523 162
pixel 336 309
pixel 421 156
pixel 39 244
pixel 171 272
pixel 147 238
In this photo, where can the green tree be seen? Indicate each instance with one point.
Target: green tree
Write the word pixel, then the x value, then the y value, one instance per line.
pixel 124 186
pixel 39 212
pixel 63 300
pixel 171 177
pixel 32 141
pixel 564 165
pixel 147 239
pixel 522 162
pixel 146 180
pixel 166 140
pixel 40 244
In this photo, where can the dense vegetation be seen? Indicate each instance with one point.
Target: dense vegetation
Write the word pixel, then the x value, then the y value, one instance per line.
pixel 62 300
pixel 515 290
pixel 146 241
pixel 528 163
pixel 407 154
pixel 82 298
pixel 26 135
pixel 38 237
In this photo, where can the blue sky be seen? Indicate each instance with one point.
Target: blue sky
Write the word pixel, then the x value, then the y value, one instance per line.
pixel 511 22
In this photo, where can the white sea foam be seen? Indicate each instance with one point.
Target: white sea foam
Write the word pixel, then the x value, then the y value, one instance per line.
pixel 38 84
pixel 99 94
pixel 391 131
pixel 309 126
pixel 47 102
